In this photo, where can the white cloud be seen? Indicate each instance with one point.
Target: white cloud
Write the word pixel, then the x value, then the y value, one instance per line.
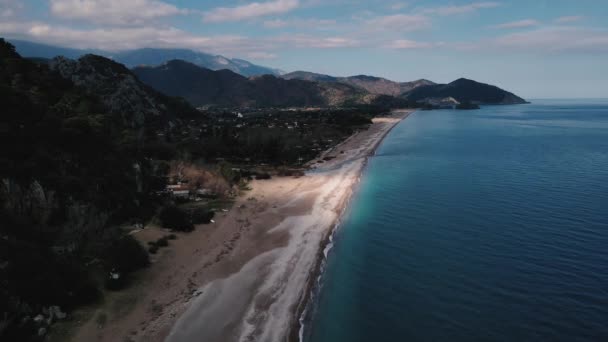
pixel 10 8
pixel 517 24
pixel 275 23
pixel 318 24
pixel 261 55
pixel 124 38
pixel 461 9
pixel 569 19
pixel 115 12
pixel 249 11
pixel 308 41
pixel 398 22
pixel 409 44
pixel 549 39
pixel 562 39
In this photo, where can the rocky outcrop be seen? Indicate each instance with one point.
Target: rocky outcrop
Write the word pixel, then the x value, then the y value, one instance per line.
pixel 117 87
pixel 33 204
pixel 30 201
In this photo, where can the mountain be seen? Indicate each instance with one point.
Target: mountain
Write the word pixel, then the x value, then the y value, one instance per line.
pixel 31 49
pixel 371 84
pixel 464 91
pixel 309 76
pixel 146 56
pixel 154 57
pixel 201 86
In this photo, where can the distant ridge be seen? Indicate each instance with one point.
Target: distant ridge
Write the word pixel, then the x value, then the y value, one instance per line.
pixel 464 91
pixel 371 84
pixel 145 56
pixel 201 87
pixel 424 91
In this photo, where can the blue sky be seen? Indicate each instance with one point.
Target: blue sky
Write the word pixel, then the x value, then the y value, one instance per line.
pixel 535 48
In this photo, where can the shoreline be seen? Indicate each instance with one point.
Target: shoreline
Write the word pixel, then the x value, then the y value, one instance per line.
pixel 304 304
pixel 249 275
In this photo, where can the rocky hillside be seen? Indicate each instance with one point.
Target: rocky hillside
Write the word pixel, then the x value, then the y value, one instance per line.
pixel 121 92
pixel 224 88
pixel 464 91
pixel 370 84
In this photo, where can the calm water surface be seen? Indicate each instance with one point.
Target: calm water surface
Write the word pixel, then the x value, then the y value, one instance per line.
pixel 488 225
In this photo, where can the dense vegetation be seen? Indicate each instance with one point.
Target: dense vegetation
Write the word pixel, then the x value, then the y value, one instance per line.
pixel 70 170
pixel 278 137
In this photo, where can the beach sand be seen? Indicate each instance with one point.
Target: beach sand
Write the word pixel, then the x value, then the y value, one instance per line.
pixel 243 278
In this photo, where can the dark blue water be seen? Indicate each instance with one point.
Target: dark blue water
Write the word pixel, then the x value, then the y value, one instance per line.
pixel 487 225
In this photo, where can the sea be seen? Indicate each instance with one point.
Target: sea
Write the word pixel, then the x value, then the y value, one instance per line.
pixel 482 225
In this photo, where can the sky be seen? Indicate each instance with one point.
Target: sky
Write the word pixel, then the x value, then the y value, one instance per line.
pixel 534 48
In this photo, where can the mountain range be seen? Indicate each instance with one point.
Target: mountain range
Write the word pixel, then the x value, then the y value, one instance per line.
pixel 204 79
pixel 224 88
pixel 145 56
pixel 461 90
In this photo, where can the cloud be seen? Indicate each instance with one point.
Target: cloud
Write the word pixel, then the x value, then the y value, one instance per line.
pixel 261 55
pixel 122 38
pixel 125 38
pixel 409 44
pixel 249 11
pixel 460 9
pixel 551 39
pixel 569 19
pixel 398 22
pixel 319 24
pixel 308 41
pixel 113 12
pixel 517 24
pixel 275 23
pixel 10 8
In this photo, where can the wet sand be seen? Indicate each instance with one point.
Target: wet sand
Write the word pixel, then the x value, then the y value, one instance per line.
pixel 244 277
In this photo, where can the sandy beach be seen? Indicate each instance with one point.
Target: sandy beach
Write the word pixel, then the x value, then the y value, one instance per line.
pixel 244 277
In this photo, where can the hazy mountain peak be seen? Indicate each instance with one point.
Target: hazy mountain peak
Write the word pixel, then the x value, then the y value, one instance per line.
pixel 147 57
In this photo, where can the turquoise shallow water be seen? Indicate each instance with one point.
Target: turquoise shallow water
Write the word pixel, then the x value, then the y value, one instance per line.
pixel 488 225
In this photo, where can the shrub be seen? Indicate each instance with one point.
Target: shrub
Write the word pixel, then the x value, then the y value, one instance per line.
pixel 125 254
pixel 174 218
pixel 262 175
pixel 202 216
pixel 153 249
pixel 162 242
pixel 171 237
